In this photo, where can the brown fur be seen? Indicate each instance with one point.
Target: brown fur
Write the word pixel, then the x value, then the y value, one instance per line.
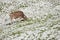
pixel 17 14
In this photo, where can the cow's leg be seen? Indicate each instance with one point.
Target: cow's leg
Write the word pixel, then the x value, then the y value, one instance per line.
pixel 21 18
pixel 11 18
pixel 14 20
pixel 25 17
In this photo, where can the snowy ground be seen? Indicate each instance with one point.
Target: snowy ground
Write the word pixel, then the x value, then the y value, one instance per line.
pixel 43 20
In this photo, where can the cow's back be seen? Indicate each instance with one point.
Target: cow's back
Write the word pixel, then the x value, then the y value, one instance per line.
pixel 17 14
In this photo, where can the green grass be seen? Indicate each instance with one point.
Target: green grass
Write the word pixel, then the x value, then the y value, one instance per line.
pixel 14 33
pixel 1 30
pixel 47 17
pixel 24 23
pixel 31 21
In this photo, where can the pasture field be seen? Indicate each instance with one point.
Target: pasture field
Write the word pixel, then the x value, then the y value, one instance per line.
pixel 43 21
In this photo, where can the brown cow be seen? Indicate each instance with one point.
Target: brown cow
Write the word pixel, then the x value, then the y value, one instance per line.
pixel 17 14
